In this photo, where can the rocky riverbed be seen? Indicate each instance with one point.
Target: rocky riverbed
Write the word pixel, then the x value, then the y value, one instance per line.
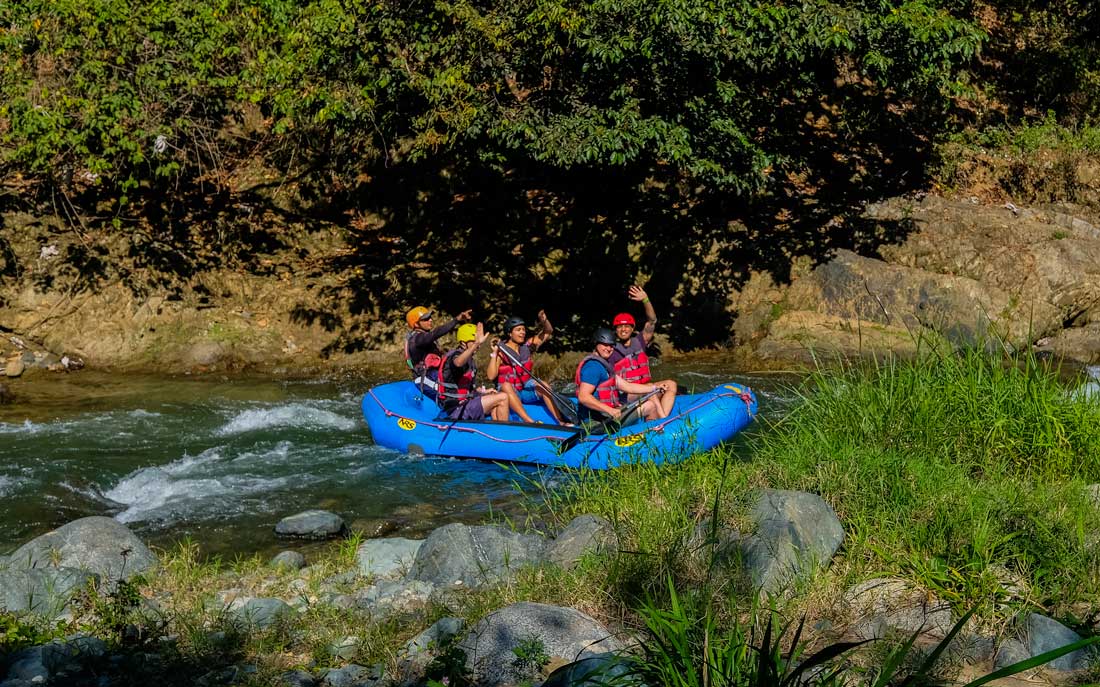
pixel 120 625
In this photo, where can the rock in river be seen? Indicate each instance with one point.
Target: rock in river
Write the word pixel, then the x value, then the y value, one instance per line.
pixel 311 524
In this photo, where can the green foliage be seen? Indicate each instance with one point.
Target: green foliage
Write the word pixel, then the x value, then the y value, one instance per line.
pixel 91 87
pixel 18 632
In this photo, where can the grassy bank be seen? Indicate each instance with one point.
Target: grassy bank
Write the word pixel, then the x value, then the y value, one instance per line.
pixel 963 474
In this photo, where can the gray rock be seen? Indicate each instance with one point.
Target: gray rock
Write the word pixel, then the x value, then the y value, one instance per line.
pixel 289 560
pixel 297 678
pixel 474 556
pixel 259 612
pixel 311 524
pixel 595 671
pixel 884 605
pixel 346 649
pixel 975 648
pixel 561 633
pixel 44 591
pixel 391 557
pixel 40 664
pixel 440 633
pixel 394 596
pixel 1011 651
pixel 796 533
pixel 96 544
pixel 352 676
pixel 584 534
pixel 1045 634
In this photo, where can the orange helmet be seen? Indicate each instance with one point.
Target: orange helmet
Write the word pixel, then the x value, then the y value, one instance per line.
pixel 416 314
pixel 623 318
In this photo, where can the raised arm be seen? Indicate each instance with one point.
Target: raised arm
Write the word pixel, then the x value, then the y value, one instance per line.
pixel 494 361
pixel 636 293
pixel 546 330
pixel 448 327
pixel 464 357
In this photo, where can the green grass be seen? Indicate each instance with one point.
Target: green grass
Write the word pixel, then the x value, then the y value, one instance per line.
pixel 964 474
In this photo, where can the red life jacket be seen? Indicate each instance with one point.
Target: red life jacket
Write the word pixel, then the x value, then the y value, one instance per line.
pixel 447 393
pixel 419 367
pixel 606 392
pixel 630 361
pixel 517 376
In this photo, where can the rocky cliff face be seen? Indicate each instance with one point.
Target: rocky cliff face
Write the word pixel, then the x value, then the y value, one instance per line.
pixel 965 273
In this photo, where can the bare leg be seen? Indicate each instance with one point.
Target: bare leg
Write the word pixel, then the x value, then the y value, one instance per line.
pixel 668 398
pixel 496 405
pixel 514 402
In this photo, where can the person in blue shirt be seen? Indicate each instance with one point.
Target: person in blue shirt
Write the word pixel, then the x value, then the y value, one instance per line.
pixel 601 393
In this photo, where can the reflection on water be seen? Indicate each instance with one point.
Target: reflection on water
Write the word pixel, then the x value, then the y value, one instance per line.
pixel 221 460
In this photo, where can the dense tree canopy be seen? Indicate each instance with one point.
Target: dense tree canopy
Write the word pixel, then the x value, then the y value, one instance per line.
pixel 527 141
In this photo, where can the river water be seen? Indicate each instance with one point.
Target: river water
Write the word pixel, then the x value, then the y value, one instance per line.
pixel 221 460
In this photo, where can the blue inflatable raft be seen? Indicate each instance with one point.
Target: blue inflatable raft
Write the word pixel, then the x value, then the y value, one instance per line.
pixel 401 419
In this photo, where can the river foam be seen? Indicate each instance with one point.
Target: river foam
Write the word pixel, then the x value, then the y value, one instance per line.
pixel 297 415
pixel 208 483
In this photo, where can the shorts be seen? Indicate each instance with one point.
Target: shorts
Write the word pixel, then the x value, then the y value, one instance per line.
pixel 470 409
pixel 527 394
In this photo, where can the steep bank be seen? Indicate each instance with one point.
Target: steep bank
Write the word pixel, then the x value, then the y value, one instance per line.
pixel 964 272
pixel 961 270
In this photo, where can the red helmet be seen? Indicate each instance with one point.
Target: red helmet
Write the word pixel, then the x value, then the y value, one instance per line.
pixel 623 318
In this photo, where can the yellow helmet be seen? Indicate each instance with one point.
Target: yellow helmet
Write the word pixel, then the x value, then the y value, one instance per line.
pixel 416 314
pixel 466 332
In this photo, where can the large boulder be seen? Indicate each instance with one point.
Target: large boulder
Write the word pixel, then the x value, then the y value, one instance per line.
pixel 43 591
pixel 459 554
pixel 311 524
pixel 960 272
pixel 1078 343
pixel 98 545
pixel 1043 256
pixel 795 534
pixel 508 645
pixel 583 534
pixel 964 310
pixel 1044 634
pixel 383 558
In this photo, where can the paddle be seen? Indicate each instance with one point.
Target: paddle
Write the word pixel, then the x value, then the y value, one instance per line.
pixel 633 407
pixel 609 427
pixel 565 408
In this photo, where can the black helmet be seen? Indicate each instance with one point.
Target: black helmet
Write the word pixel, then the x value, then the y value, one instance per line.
pixel 605 336
pixel 513 322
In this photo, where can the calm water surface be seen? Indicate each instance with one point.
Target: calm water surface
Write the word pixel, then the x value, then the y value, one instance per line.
pixel 221 460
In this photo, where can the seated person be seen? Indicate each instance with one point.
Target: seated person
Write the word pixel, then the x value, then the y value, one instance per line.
pixel 421 350
pixel 601 393
pixel 451 384
pixel 629 357
pixel 516 380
